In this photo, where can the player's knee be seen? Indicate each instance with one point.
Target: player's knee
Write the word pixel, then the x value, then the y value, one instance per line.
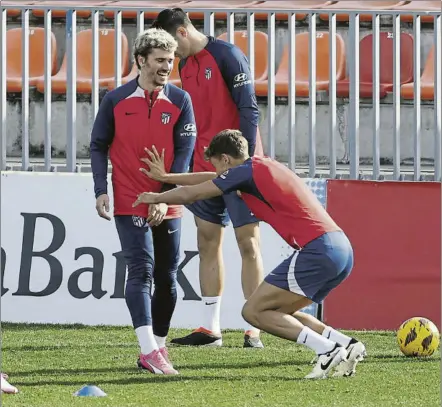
pixel 250 314
pixel 139 269
pixel 246 312
pixel 165 284
pixel 209 248
pixel 247 237
pixel 137 278
pixel 165 279
pixel 248 246
pixel 209 241
pixel 139 275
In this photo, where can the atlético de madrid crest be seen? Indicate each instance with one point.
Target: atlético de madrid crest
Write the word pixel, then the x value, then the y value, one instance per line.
pixel 208 73
pixel 165 118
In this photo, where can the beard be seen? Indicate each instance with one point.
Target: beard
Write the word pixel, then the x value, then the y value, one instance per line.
pixel 160 81
pixel 153 75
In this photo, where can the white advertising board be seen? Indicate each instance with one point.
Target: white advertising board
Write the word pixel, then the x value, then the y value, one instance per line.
pixel 61 263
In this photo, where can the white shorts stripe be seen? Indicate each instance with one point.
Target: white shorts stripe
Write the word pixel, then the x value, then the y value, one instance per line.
pixel 291 278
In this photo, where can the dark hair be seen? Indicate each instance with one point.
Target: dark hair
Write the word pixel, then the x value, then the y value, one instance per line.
pixel 230 142
pixel 170 19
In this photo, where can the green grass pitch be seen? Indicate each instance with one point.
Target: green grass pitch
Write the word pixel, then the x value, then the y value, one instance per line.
pixel 49 363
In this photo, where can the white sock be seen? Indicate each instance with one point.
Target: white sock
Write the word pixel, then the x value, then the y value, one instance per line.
pixel 146 340
pixel 314 341
pixel 161 341
pixel 211 314
pixel 336 336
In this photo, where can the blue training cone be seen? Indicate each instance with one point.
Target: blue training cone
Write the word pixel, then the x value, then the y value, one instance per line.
pixel 90 391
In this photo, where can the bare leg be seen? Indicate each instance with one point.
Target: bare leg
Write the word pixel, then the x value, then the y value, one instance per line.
pixel 270 308
pixel 248 238
pixel 276 311
pixel 252 270
pixel 211 270
pixel 211 273
pixel 310 321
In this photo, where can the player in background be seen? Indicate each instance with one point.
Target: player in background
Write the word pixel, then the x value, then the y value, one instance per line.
pixel 145 111
pixel 6 387
pixel 322 257
pixel 217 76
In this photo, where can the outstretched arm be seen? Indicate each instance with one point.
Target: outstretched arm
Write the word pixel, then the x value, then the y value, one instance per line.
pixel 158 172
pixel 194 178
pixel 181 195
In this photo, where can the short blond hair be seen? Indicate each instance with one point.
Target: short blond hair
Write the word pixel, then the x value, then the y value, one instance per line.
pixel 153 38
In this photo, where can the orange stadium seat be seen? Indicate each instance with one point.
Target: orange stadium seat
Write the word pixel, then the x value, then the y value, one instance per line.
pixel 261 51
pixel 148 15
pixel 361 5
pixel 289 5
pixel 16 11
pixel 420 5
pixel 386 67
pixel 427 81
pixel 62 13
pixel 84 62
pixel 232 4
pixel 302 66
pixel 174 75
pixel 36 57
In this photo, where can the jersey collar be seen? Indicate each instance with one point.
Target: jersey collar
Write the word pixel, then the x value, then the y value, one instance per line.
pixel 154 95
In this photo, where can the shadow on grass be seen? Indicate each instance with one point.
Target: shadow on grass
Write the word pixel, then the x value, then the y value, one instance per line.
pixel 399 359
pixel 129 370
pixel 148 378
pixel 40 348
pixel 9 326
pixel 36 348
pixel 137 377
pixel 217 366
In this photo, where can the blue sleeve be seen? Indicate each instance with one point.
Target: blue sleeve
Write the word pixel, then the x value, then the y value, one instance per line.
pixel 184 140
pixel 236 73
pixel 103 133
pixel 236 179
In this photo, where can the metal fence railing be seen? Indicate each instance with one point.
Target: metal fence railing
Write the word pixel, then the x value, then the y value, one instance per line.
pixel 315 27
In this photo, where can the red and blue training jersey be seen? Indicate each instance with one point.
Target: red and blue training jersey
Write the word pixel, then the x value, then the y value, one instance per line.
pixel 219 81
pixel 130 119
pixel 280 198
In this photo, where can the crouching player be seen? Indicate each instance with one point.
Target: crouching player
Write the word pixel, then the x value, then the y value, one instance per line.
pixel 322 257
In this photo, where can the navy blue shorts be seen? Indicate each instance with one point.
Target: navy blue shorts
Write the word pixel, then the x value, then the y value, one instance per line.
pixel 316 269
pixel 222 209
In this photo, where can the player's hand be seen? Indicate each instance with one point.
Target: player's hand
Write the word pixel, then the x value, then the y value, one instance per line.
pixel 102 206
pixel 157 170
pixel 157 212
pixel 145 198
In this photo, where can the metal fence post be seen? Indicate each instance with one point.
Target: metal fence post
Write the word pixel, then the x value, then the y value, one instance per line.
pixel 71 91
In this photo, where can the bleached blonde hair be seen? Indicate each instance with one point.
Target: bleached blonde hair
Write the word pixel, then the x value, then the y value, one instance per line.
pixel 153 38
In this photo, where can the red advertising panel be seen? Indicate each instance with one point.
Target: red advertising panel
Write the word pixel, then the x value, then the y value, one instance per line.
pixel 395 230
